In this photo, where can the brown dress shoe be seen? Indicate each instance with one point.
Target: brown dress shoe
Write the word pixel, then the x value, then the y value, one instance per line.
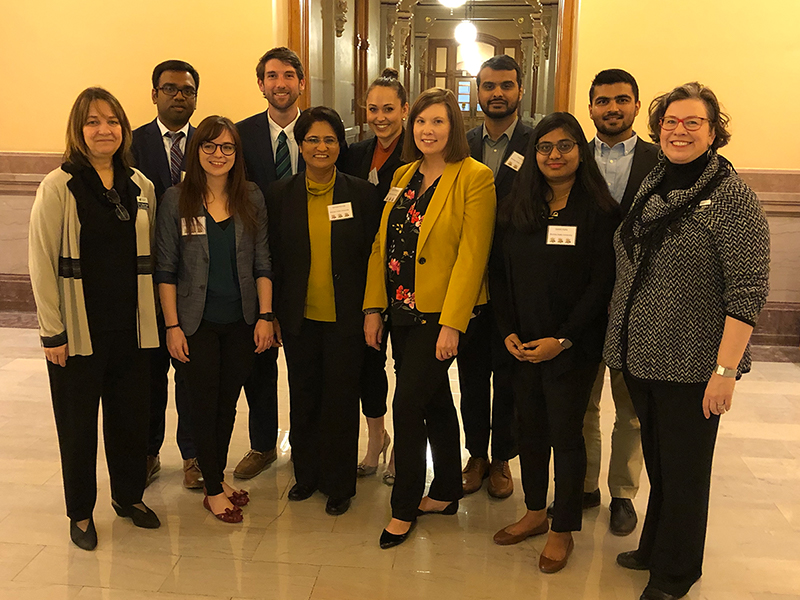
pixel 192 476
pixel 500 483
pixel 474 473
pixel 254 462
pixel 153 467
pixel 548 565
pixel 503 538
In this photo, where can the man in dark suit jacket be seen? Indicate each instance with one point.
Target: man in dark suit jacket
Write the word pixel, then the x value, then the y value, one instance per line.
pixel 270 154
pixel 500 143
pixel 158 151
pixel 624 160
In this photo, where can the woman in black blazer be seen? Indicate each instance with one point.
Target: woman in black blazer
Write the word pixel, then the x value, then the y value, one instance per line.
pixel 322 225
pixel 551 276
pixel 376 160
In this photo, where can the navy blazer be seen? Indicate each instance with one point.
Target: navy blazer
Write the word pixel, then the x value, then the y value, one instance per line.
pixel 645 157
pixel 150 156
pixel 517 143
pixel 358 159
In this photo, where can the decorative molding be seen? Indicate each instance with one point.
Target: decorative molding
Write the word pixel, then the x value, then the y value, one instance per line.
pixel 391 22
pixel 340 18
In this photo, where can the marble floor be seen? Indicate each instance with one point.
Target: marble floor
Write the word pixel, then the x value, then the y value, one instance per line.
pixel 294 551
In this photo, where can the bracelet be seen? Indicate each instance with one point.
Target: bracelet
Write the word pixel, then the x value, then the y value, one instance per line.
pixel 267 316
pixel 372 311
pixel 725 372
pixel 172 326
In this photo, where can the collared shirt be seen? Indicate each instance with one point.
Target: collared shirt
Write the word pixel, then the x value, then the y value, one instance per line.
pixel 275 131
pixel 615 164
pixel 168 142
pixel 494 151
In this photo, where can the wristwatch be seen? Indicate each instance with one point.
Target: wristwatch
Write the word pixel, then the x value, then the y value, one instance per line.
pixel 725 372
pixel 267 316
pixel 565 343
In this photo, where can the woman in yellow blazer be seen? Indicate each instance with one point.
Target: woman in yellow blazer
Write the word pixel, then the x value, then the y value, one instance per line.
pixel 428 272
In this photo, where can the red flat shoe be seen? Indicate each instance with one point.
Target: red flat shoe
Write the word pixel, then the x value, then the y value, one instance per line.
pixel 233 515
pixel 240 498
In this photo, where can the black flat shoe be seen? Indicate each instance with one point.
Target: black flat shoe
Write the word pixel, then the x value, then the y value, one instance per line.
pixel 450 509
pixel 146 519
pixel 300 492
pixel 623 516
pixel 86 540
pixel 390 540
pixel 651 593
pixel 630 560
pixel 337 506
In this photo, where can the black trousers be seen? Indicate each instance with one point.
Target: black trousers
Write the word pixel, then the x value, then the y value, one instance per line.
pixel 159 383
pixel 374 383
pixel 117 372
pixel 220 359
pixel 678 446
pixel 423 412
pixel 550 414
pixel 261 390
pixel 482 413
pixel 324 387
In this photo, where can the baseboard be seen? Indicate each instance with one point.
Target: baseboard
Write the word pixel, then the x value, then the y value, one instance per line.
pixel 16 294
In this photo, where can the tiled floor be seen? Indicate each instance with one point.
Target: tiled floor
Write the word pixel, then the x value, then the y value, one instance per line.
pixel 295 551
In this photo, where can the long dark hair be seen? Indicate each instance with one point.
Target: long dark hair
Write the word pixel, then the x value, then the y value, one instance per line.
pixel 526 208
pixel 194 187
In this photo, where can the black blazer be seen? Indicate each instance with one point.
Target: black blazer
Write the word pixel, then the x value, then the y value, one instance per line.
pixel 517 143
pixel 150 157
pixel 645 157
pixel 351 244
pixel 358 159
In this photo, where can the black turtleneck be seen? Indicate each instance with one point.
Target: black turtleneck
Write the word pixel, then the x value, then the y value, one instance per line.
pixel 681 176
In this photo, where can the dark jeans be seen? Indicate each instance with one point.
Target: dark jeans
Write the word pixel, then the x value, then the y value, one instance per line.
pixel 261 390
pixel 550 414
pixel 220 359
pixel 678 445
pixel 117 372
pixel 374 383
pixel 324 386
pixel 482 414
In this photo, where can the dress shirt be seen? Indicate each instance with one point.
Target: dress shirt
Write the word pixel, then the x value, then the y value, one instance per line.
pixel 495 150
pixel 275 131
pixel 615 164
pixel 168 142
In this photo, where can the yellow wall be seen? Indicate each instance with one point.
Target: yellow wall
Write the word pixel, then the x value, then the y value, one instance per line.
pixel 747 52
pixel 50 50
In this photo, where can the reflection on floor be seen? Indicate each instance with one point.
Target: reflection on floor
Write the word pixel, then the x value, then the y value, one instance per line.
pixel 295 551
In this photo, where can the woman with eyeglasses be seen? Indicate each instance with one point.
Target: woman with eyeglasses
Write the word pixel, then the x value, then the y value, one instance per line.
pixel 322 224
pixel 551 276
pixel 213 273
pixel 692 277
pixel 91 229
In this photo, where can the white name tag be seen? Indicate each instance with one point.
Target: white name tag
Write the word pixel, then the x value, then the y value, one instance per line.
pixel 337 212
pixel 143 202
pixel 561 235
pixel 705 202
pixel 515 161
pixel 373 177
pixel 394 194
pixel 198 226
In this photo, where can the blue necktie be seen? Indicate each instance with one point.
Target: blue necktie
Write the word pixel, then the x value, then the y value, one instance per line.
pixel 283 162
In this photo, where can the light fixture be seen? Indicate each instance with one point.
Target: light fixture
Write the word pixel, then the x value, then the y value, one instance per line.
pixel 452 3
pixel 471 58
pixel 465 33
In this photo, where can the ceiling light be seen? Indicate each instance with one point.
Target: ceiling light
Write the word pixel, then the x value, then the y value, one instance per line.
pixel 465 33
pixel 452 3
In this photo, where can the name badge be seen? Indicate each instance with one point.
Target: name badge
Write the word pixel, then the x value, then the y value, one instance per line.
pixel 143 202
pixel 561 235
pixel 373 177
pixel 197 226
pixel 337 212
pixel 394 194
pixel 705 202
pixel 515 161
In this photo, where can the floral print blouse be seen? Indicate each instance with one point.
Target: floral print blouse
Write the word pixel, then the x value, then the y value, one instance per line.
pixel 405 222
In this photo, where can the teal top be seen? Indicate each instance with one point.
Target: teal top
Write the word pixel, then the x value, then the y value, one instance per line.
pixel 223 297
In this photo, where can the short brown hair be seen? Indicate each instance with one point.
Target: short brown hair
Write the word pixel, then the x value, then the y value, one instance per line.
pixel 717 119
pixel 77 152
pixel 286 56
pixel 457 147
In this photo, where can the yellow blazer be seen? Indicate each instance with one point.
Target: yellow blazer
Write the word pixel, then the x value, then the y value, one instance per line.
pixel 453 246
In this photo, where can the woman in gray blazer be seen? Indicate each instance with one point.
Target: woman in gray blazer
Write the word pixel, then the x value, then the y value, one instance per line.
pixel 214 279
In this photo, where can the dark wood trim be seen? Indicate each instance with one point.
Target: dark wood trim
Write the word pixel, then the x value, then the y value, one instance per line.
pixel 567 26
pixel 361 64
pixel 298 41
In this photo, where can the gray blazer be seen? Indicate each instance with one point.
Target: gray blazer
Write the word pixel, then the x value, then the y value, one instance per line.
pixel 182 260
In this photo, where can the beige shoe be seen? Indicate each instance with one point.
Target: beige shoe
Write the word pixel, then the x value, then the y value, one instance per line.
pixel 254 462
pixel 192 476
pixel 153 467
pixel 474 473
pixel 500 483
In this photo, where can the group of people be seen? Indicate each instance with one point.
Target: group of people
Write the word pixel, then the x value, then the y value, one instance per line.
pixel 533 257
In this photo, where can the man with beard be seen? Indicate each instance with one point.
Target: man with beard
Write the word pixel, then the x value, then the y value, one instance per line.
pixel 499 143
pixel 624 160
pixel 270 153
pixel 158 149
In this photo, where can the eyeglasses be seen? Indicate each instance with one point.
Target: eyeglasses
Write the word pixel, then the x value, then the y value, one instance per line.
pixel 563 146
pixel 689 123
pixel 121 212
pixel 315 141
pixel 172 90
pixel 227 148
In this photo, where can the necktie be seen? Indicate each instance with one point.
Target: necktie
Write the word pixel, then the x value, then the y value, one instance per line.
pixel 175 156
pixel 283 163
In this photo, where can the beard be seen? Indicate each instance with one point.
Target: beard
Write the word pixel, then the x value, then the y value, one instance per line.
pixel 607 128
pixel 500 110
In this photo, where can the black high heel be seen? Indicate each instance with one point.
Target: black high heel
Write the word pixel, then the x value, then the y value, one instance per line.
pixel 390 540
pixel 450 509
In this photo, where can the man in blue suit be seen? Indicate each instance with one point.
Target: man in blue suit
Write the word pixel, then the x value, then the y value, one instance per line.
pixel 158 151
